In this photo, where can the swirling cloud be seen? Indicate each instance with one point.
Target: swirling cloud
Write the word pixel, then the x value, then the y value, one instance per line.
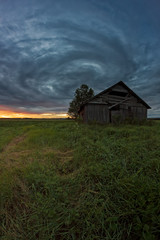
pixel 48 49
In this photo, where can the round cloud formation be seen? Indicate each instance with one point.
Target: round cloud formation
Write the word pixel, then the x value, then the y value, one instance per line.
pixel 49 49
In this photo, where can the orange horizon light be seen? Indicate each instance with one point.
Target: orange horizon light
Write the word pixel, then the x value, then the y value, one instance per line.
pixel 12 114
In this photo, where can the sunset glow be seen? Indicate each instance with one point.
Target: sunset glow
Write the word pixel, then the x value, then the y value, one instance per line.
pixel 50 48
pixel 10 114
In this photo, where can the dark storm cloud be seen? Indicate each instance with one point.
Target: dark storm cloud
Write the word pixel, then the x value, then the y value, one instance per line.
pixel 48 49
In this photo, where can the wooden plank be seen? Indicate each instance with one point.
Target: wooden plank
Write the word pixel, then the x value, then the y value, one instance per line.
pixel 95 112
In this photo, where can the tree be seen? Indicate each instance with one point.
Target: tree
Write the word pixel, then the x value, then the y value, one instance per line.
pixel 82 94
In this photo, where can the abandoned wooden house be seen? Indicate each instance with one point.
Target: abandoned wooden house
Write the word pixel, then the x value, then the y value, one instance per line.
pixel 118 102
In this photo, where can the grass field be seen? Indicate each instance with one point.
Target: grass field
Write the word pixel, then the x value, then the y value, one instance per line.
pixel 65 180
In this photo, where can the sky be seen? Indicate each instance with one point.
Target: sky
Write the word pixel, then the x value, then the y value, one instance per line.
pixel 49 48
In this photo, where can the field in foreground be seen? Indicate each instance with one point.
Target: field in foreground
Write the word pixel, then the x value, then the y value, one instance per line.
pixel 64 180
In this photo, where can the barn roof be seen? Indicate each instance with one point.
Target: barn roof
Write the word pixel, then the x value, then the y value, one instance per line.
pixel 125 86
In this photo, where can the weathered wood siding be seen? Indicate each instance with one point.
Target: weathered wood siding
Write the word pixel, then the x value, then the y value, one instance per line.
pixel 128 112
pixel 96 112
pixel 117 103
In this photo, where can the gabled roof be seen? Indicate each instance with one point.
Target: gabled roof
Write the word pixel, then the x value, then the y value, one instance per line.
pixel 126 87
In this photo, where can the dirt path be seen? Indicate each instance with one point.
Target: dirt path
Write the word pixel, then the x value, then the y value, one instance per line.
pixel 11 156
pixel 13 143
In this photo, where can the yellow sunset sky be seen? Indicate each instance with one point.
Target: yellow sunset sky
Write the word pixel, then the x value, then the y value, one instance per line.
pixel 12 114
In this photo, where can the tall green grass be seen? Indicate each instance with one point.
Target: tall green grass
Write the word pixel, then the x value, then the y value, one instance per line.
pixel 66 180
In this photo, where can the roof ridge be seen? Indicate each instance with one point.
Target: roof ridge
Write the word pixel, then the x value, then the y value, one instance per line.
pixel 107 89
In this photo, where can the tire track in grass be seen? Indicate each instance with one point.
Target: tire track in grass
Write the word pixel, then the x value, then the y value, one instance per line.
pixel 13 143
pixel 9 156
